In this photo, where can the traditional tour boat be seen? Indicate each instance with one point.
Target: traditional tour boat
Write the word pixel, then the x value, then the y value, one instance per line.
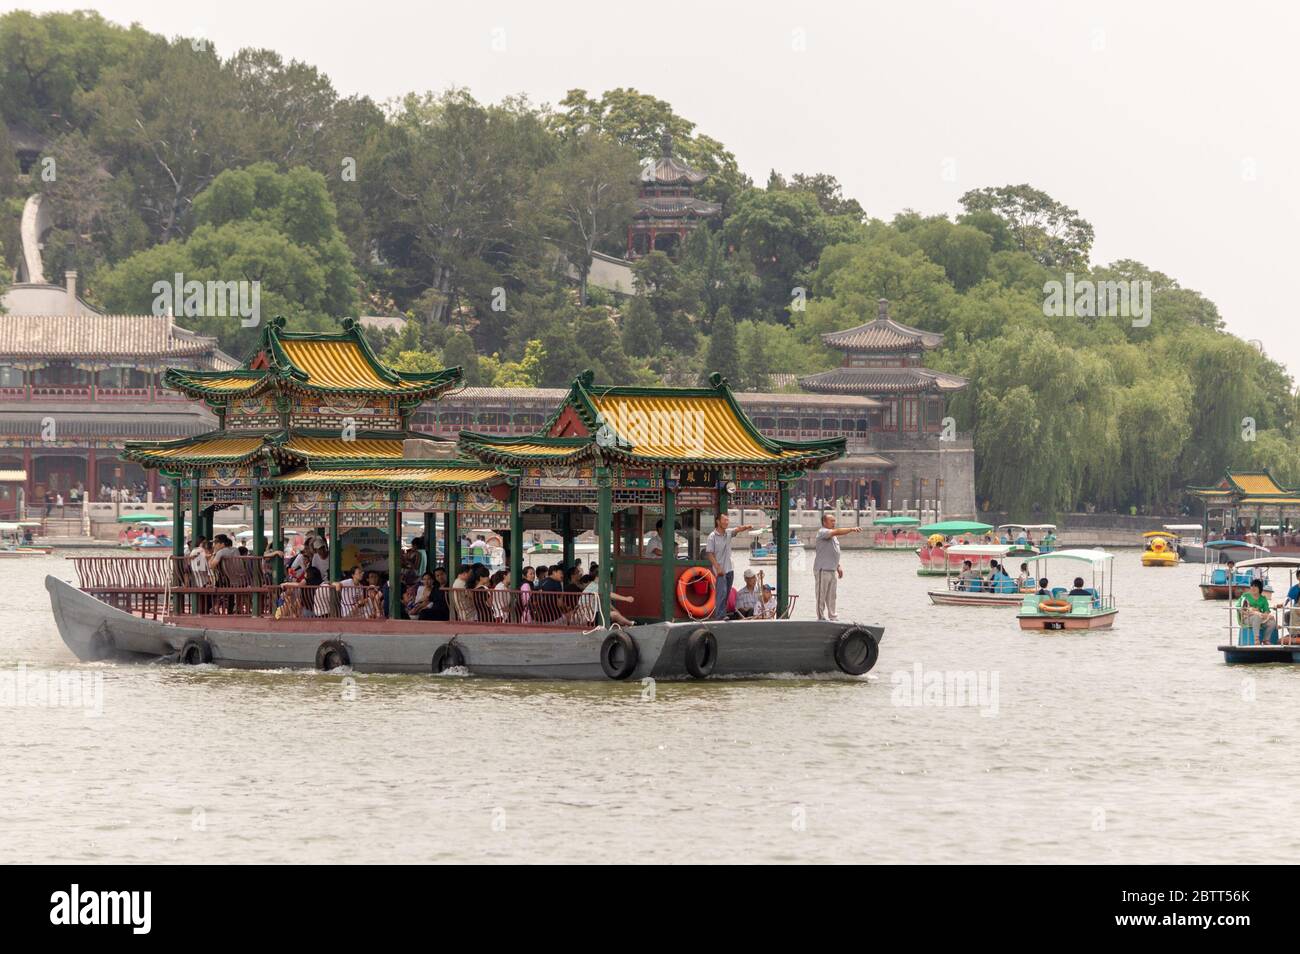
pixel 984 588
pixel 314 427
pixel 1063 607
pixel 1275 639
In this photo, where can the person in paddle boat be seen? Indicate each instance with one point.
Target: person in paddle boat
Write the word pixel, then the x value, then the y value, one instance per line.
pixel 1257 617
pixel 1024 582
pixel 999 581
pixel 1079 589
pixel 968 579
pixel 1044 587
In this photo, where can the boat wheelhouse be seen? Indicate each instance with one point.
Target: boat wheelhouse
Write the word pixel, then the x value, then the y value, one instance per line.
pixel 1275 637
pixel 316 429
pixel 1222 577
pixel 1159 548
pixel 1094 609
pixel 935 542
pixel 985 587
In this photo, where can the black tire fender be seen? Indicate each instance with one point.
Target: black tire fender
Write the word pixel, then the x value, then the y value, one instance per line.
pixel 855 651
pixel 618 655
pixel 701 653
pixel 332 654
pixel 195 652
pixel 447 656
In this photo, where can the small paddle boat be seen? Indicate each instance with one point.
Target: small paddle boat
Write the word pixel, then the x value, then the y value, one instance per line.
pixel 985 588
pixel 1093 609
pixel 1160 548
pixel 1278 642
pixel 1218 582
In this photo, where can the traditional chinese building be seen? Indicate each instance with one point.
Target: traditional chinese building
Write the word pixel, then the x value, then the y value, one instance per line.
pixel 1241 501
pixel 75 385
pixel 667 209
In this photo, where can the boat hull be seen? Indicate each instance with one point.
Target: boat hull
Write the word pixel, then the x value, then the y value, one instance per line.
pixel 955 598
pixel 1151 559
pixel 1260 654
pixel 1221 591
pixel 96 631
pixel 1063 621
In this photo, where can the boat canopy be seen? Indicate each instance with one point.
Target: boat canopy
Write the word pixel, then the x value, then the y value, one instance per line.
pixel 139 517
pixel 1028 526
pixel 897 522
pixel 980 549
pixel 1234 545
pixel 1095 557
pixel 10 527
pixel 1159 533
pixel 949 527
pixel 1271 562
pixel 1181 527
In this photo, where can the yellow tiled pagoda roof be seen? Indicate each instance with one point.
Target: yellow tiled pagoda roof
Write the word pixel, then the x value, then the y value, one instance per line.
pixel 1258 485
pixel 220 448
pixel 431 476
pixel 341 365
pixel 336 448
pixel 676 428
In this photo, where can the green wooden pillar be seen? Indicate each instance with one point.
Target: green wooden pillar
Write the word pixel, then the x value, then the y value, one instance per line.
pixel 394 557
pixel 196 526
pixel 668 561
pixel 277 537
pixel 336 556
pixel 566 540
pixel 430 541
pixel 724 501
pixel 516 538
pixel 259 533
pixel 178 539
pixel 451 541
pixel 783 548
pixel 605 536
pixel 178 520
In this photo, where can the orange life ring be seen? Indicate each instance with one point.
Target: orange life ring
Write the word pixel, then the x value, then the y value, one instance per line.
pixel 693 577
pixel 1054 606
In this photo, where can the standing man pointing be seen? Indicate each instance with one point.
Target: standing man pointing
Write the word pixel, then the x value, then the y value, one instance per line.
pixel 826 566
pixel 718 550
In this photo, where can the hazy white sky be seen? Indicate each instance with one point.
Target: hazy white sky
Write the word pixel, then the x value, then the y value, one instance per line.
pixel 1169 125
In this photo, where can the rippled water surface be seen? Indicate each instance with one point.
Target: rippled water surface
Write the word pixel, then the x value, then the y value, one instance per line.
pixel 1135 745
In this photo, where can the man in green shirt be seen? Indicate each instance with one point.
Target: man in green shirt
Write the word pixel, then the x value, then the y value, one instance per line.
pixel 1257 617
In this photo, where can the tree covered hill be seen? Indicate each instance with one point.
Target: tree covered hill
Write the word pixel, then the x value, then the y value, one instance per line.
pixel 468 217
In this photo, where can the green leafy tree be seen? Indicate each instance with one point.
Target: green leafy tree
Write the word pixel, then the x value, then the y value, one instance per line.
pixel 1053 233
pixel 723 354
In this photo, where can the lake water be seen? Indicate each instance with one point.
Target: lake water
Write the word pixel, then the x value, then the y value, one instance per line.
pixel 1134 745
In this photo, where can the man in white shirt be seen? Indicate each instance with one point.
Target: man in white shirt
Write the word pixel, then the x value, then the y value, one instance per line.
pixel 654 544
pixel 718 550
pixel 826 565
pixel 320 558
pixel 749 595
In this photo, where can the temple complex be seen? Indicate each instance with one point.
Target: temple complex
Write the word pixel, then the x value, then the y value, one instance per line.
pixel 667 209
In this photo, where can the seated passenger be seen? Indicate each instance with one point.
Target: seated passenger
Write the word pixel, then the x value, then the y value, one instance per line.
pixel 1257 623
pixel 1044 588
pixel 767 607
pixel 1024 581
pixel 968 579
pixel 1079 589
